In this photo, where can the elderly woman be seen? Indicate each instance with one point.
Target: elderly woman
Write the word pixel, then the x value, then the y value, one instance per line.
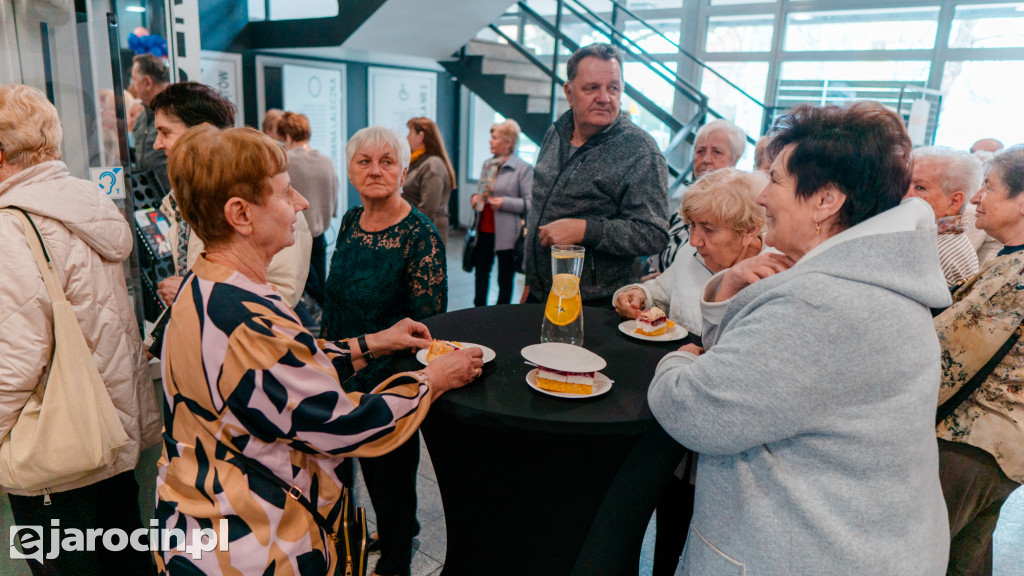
pixel 242 376
pixel 813 406
pixel 505 191
pixel 87 239
pixel 981 444
pixel 389 263
pixel 725 225
pixel 431 177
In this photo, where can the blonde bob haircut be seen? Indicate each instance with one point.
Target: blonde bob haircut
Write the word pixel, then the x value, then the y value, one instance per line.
pixel 209 166
pixel 728 196
pixel 507 131
pixel 30 131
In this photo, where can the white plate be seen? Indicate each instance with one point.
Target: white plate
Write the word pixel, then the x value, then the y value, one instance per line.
pixel 564 357
pixel 601 386
pixel 676 333
pixel 489 354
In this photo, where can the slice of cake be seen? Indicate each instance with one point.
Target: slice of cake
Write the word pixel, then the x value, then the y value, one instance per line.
pixel 566 382
pixel 653 322
pixel 439 348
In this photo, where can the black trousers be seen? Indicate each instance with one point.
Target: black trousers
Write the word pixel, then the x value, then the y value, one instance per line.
pixel 107 504
pixel 316 282
pixel 483 261
pixel 391 482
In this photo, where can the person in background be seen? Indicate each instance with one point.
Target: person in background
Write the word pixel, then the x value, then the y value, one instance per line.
pixel 431 177
pixel 719 144
pixel 946 178
pixel 990 145
pixel 313 176
pixel 761 160
pixel 503 198
pixel 813 406
pixel 600 182
pixel 388 264
pixel 270 120
pixel 182 106
pixel 243 377
pixel 88 240
pixel 981 444
pixel 149 78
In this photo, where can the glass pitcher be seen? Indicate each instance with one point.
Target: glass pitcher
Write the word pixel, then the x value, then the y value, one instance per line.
pixel 563 314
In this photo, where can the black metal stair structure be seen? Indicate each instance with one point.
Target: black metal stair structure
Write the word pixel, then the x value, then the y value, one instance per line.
pixel 519 85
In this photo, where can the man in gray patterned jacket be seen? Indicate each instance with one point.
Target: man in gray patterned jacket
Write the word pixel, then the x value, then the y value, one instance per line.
pixel 600 182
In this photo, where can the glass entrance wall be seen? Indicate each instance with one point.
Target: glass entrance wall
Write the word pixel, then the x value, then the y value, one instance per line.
pixel 768 46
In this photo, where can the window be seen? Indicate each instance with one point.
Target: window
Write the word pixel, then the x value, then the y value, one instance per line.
pixel 752 77
pixel 888 29
pixel 821 83
pixel 981 100
pixel 988 26
pixel 658 90
pixel 650 40
pixel 739 33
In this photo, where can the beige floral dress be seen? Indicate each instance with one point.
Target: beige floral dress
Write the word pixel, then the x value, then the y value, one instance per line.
pixel 985 311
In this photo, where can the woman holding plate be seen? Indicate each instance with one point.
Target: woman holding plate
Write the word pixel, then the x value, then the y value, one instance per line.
pixel 813 406
pixel 725 227
pixel 388 264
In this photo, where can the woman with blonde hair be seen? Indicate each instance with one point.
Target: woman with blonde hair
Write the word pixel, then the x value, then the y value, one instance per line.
pixel 87 239
pixel 503 197
pixel 725 227
pixel 431 178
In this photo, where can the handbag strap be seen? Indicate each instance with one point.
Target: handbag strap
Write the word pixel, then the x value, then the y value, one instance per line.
pixel 35 243
pixel 965 391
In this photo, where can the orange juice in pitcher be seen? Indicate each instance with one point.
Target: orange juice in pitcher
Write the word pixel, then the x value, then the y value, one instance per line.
pixel 563 314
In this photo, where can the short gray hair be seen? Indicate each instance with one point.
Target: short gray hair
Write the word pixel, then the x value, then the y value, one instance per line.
pixel 598 50
pixel 1008 164
pixel 378 137
pixel 737 137
pixel 961 171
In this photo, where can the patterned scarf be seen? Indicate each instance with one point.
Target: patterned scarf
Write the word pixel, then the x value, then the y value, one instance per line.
pixel 490 174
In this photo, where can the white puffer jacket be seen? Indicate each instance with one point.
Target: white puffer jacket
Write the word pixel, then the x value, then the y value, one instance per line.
pixel 88 239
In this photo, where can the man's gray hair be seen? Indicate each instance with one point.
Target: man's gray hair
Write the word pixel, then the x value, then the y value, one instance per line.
pixel 737 137
pixel 960 170
pixel 597 50
pixel 378 137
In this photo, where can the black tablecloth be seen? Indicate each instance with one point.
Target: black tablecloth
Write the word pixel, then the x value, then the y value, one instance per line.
pixel 535 484
pixel 502 398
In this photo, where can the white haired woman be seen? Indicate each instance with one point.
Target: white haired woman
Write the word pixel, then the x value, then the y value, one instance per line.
pixel 505 192
pixel 88 239
pixel 388 264
pixel 725 227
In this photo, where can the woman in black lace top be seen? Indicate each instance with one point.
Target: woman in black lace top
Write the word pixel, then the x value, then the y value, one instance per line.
pixel 388 264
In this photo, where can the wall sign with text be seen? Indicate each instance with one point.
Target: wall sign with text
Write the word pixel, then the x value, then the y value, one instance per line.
pixel 397 95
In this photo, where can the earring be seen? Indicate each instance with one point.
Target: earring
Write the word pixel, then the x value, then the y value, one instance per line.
pixel 817 228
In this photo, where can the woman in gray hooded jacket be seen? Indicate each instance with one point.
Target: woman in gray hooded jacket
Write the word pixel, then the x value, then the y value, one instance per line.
pixel 813 406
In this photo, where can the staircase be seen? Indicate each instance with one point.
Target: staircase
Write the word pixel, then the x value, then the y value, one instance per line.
pixel 518 84
pixel 510 83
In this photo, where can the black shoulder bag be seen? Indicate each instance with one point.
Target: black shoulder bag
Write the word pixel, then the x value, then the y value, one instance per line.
pixel 954 402
pixel 350 545
pixel 469 247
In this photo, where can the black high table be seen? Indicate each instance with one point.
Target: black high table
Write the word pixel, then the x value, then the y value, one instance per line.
pixel 533 484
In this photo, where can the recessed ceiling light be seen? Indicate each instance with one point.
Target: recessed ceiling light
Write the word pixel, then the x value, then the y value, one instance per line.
pixel 135 9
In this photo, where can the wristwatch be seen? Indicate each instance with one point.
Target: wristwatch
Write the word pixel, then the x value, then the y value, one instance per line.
pixel 364 348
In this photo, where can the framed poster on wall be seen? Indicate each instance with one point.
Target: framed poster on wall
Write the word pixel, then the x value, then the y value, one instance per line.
pixel 396 95
pixel 222 71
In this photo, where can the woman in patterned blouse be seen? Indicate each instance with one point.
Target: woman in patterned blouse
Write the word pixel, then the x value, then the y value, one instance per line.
pixel 388 263
pixel 981 444
pixel 241 375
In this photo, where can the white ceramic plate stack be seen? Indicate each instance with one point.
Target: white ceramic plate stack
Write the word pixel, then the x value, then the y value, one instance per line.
pixel 567 358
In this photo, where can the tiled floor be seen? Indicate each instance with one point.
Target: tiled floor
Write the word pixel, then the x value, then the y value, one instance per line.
pixel 430 545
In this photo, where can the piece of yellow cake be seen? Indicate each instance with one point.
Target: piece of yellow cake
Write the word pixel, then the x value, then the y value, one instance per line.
pixel 566 382
pixel 653 322
pixel 439 348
